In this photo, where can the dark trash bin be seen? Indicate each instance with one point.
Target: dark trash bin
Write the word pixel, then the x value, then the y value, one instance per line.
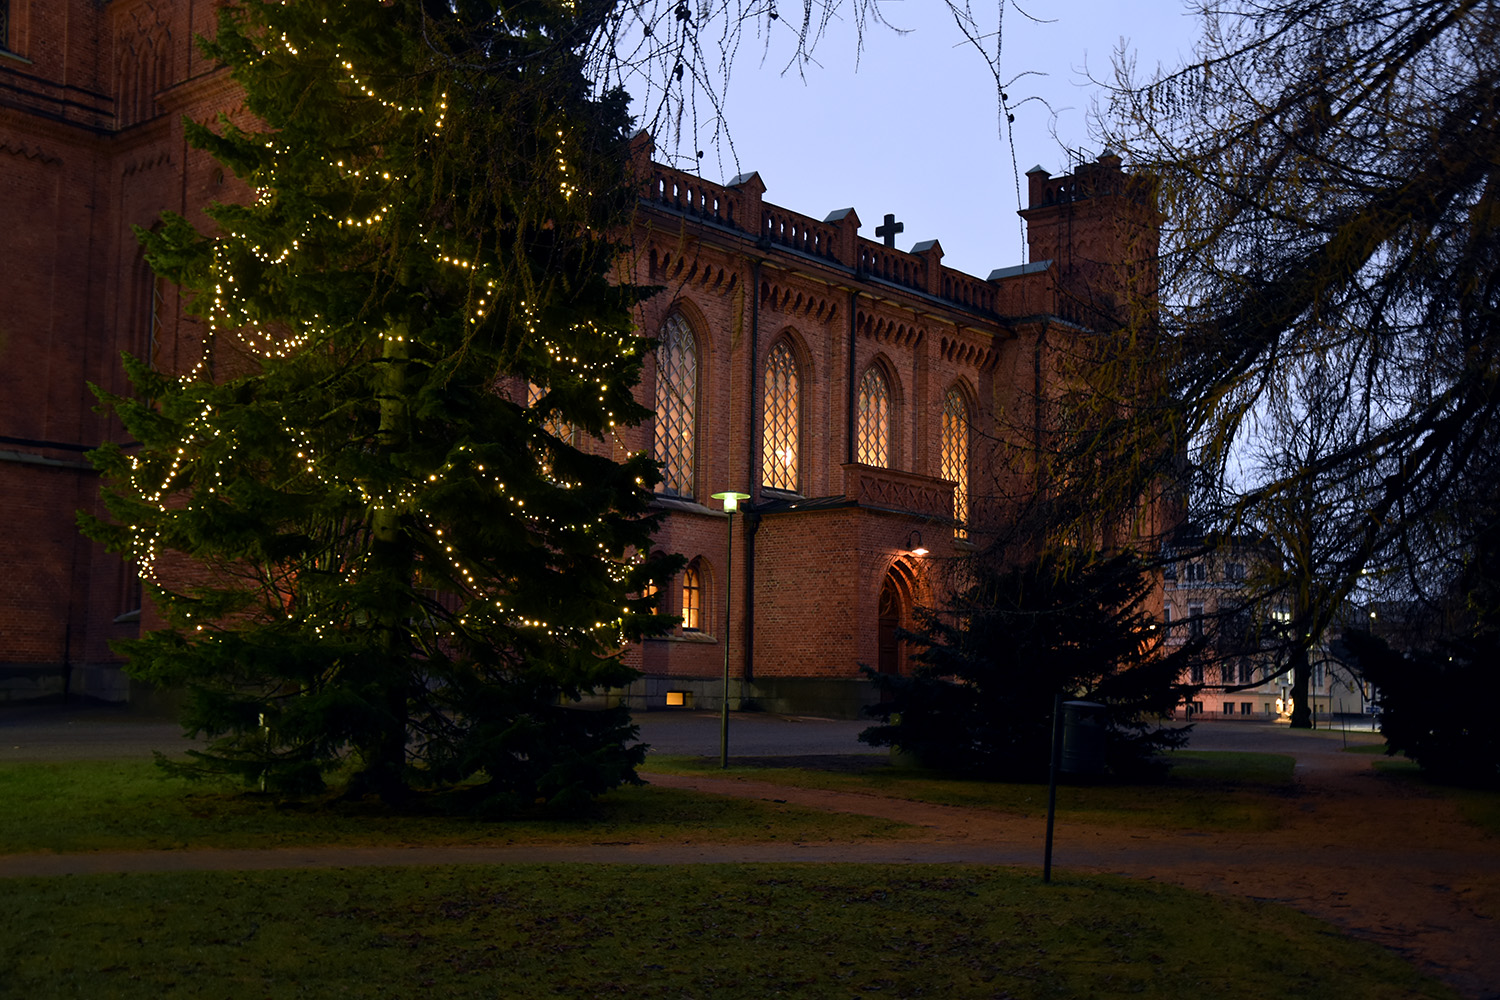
pixel 1083 737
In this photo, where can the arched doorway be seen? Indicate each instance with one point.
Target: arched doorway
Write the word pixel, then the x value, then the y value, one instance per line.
pixel 888 656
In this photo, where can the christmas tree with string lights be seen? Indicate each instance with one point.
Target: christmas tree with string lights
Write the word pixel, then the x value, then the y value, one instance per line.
pixel 375 518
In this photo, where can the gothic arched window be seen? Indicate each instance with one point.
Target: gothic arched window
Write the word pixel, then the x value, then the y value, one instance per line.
pixel 692 598
pixel 551 423
pixel 676 405
pixel 956 455
pixel 872 434
pixel 782 412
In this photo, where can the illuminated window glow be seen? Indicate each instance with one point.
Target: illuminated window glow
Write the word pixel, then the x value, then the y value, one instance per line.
pixel 782 419
pixel 872 436
pixel 692 600
pixel 676 405
pixel 551 422
pixel 956 456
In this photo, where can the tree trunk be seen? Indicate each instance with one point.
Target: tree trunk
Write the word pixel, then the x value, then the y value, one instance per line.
pixel 1301 683
pixel 390 558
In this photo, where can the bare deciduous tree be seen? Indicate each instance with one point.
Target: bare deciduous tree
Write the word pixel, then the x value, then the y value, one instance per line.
pixel 1330 180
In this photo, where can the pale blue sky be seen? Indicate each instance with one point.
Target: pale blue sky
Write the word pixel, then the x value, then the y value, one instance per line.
pixel 915 129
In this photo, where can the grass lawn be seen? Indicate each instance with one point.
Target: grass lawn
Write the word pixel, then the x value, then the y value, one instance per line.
pixel 697 932
pixel 1478 807
pixel 1206 790
pixel 133 805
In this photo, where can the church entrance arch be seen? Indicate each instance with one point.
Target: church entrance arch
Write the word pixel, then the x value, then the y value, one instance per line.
pixel 893 612
pixel 888 655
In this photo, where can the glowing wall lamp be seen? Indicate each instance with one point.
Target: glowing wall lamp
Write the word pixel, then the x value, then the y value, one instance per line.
pixel 914 544
pixel 731 504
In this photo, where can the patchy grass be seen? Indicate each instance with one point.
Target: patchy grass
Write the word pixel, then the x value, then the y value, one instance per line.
pixel 1233 769
pixel 722 931
pixel 1206 790
pixel 1369 748
pixel 1478 807
pixel 133 805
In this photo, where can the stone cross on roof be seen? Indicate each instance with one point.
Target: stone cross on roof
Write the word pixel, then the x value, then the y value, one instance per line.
pixel 888 231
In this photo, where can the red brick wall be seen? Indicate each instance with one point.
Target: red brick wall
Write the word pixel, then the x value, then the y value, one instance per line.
pixel 77 174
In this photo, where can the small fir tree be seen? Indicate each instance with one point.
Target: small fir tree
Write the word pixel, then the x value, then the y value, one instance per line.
pixel 363 516
pixel 1436 705
pixel 989 666
pixel 1437 700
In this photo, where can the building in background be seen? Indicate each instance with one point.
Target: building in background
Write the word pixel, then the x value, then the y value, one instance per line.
pixel 883 412
pixel 1206 592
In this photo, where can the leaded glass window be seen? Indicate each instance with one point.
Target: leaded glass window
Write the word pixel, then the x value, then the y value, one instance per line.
pixel 956 456
pixel 551 423
pixel 676 405
pixel 158 314
pixel 872 436
pixel 782 420
pixel 692 599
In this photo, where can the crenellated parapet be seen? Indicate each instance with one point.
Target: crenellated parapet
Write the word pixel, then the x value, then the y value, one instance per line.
pixel 802 233
pixel 1089 195
pixel 679 191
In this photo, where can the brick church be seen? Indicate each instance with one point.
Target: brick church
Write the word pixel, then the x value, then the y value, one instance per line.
pixel 883 413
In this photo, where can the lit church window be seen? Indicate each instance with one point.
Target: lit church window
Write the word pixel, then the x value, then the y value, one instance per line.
pixel 872 436
pixel 783 411
pixel 676 405
pixel 551 423
pixel 956 456
pixel 692 599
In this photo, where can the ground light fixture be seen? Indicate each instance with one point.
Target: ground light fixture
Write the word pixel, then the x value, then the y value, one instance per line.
pixel 731 504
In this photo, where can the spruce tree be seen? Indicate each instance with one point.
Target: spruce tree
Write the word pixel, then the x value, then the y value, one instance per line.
pixel 1453 740
pixel 990 664
pixel 376 517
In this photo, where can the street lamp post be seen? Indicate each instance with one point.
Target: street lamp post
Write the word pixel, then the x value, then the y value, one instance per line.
pixel 731 504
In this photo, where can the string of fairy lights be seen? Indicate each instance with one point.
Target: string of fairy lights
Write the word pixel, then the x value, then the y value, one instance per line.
pixel 229 313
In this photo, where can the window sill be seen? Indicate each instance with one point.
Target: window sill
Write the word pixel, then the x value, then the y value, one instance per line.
pixel 699 638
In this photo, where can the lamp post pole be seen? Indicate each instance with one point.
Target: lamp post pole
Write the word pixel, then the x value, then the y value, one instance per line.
pixel 731 504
